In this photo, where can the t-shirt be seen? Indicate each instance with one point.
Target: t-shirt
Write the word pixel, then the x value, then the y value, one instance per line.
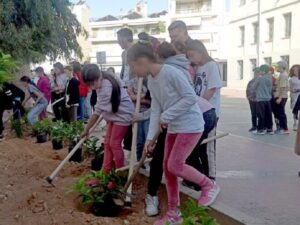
pixel 207 77
pixel 282 82
pixel 33 89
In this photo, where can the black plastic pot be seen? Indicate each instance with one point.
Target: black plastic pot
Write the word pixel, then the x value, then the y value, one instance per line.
pixel 77 157
pixel 106 209
pixel 57 144
pixel 96 163
pixel 41 138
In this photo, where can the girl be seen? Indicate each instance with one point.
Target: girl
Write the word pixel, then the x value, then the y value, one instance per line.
pixel 116 107
pixel 208 85
pixel 40 101
pixel 72 96
pixel 174 106
pixel 295 92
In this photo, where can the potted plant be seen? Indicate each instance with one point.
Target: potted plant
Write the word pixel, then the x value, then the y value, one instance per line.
pixel 97 152
pixel 100 191
pixel 72 136
pixel 40 130
pixel 58 131
pixel 192 214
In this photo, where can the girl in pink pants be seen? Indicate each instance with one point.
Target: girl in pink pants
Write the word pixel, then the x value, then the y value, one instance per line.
pixel 116 108
pixel 174 106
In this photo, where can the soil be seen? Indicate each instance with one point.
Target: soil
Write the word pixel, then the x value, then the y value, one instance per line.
pixel 27 199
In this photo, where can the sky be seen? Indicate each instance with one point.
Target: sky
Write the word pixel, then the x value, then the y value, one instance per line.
pixel 100 8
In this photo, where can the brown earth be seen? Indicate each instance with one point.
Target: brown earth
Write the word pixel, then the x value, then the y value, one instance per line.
pixel 27 199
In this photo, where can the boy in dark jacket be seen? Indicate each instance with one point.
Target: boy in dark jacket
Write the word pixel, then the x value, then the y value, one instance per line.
pixel 252 101
pixel 263 89
pixel 72 96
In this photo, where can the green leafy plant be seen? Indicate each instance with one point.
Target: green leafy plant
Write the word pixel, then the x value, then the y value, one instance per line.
pixel 73 131
pixel 91 147
pixel 42 126
pixel 96 187
pixel 58 130
pixel 193 214
pixel 7 66
pixel 17 127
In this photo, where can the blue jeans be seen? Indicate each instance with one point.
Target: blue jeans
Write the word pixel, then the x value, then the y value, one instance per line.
pixel 143 127
pixel 36 111
pixel 81 108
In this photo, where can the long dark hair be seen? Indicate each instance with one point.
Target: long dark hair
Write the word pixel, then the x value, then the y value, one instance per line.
pixel 140 50
pixel 92 73
pixel 198 46
pixel 27 80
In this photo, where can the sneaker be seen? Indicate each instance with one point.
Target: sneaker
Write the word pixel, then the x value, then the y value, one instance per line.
pixel 295 127
pixel 208 196
pixel 282 132
pixel 152 204
pixel 270 132
pixel 259 132
pixel 172 218
pixel 252 129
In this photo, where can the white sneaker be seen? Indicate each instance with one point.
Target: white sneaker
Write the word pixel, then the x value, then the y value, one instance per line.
pixel 152 205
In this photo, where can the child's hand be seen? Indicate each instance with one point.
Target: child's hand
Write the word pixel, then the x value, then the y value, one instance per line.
pixel 148 148
pixel 85 133
pixel 163 126
pixel 278 101
pixel 135 117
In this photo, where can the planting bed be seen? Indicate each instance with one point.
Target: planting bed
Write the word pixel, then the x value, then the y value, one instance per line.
pixel 26 198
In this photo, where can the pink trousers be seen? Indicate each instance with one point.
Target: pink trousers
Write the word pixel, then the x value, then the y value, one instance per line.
pixel 177 148
pixel 113 151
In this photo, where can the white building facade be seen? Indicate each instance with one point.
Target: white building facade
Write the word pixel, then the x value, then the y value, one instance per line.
pixel 261 38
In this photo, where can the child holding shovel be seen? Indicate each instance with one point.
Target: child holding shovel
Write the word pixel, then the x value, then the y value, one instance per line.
pixel 116 107
pixel 174 106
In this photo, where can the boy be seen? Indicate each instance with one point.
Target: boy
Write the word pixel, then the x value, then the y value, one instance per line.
pixel 72 96
pixel 263 89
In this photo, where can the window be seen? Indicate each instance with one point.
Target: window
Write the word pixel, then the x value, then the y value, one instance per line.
pixel 288 25
pixel 253 65
pixel 242 2
pixel 287 59
pixel 268 60
pixel 255 32
pixel 270 28
pixel 242 35
pixel 240 69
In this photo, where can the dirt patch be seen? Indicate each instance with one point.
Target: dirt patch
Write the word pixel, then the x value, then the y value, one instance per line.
pixel 26 198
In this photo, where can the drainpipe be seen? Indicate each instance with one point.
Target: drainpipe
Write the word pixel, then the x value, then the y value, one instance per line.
pixel 259 44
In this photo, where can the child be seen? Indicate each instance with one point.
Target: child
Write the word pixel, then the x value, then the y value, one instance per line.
pixel 116 107
pixel 72 96
pixel 295 92
pixel 173 106
pixel 263 89
pixel 251 99
pixel 208 85
pixel 143 125
pixel 281 96
pixel 40 101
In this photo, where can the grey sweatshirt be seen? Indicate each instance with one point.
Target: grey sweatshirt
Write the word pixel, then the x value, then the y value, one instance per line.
pixel 174 102
pixel 263 88
pixel 104 107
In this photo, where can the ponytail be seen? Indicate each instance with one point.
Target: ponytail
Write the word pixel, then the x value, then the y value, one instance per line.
pixel 116 92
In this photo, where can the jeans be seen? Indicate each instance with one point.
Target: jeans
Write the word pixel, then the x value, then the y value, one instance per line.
pixel 113 152
pixel 143 127
pixel 81 108
pixel 177 148
pixel 279 111
pixel 36 111
pixel 264 113
pixel 88 106
pixel 199 158
pixel 59 109
pixel 253 113
pixel 72 113
pixel 156 165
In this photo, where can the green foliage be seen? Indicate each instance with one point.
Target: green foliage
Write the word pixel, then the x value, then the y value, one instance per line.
pixel 58 130
pixel 91 147
pixel 17 127
pixel 193 214
pixel 97 186
pixel 34 29
pixel 7 66
pixel 42 126
pixel 73 131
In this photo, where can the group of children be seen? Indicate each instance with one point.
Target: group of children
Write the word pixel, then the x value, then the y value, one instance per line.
pixel 180 100
pixel 267 96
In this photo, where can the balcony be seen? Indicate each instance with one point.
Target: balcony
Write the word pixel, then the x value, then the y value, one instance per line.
pixel 193 7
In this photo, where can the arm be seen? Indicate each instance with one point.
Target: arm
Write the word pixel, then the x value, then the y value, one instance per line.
pixel 89 125
pixel 208 94
pixel 154 118
pixel 38 95
pixel 103 98
pixel 187 97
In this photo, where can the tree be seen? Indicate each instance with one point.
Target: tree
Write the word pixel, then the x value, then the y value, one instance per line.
pixel 34 29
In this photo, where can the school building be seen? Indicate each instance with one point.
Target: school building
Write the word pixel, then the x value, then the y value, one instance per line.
pixel 261 32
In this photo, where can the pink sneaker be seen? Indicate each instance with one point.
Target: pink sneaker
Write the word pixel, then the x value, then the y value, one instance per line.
pixel 209 194
pixel 171 218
